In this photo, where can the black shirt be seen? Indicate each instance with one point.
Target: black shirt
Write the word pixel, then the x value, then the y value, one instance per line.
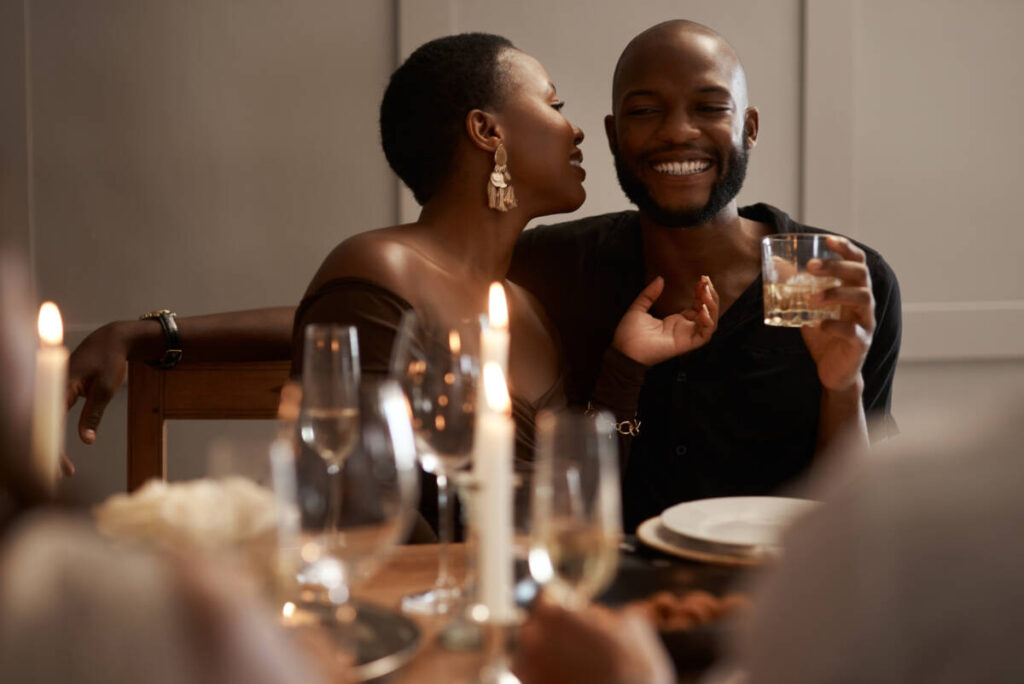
pixel 738 416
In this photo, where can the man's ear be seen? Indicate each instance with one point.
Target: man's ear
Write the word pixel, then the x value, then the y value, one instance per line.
pixel 751 121
pixel 484 130
pixel 609 131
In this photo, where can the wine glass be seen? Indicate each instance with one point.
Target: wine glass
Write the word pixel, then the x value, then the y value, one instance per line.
pixel 576 506
pixel 330 548
pixel 438 367
pixel 329 414
pixel 328 428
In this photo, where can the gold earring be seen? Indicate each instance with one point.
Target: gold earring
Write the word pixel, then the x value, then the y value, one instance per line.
pixel 500 194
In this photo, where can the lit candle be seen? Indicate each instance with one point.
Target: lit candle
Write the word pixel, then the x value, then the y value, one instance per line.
pixel 494 498
pixel 494 340
pixel 494 337
pixel 51 380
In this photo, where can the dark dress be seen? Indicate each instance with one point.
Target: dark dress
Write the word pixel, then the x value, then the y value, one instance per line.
pixel 376 313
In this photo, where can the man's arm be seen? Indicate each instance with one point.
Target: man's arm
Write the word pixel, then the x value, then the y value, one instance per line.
pixel 97 366
pixel 839 347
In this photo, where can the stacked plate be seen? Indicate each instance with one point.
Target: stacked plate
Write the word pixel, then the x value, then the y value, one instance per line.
pixel 738 530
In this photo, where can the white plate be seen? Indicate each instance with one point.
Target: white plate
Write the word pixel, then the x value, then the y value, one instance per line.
pixel 750 522
pixel 652 533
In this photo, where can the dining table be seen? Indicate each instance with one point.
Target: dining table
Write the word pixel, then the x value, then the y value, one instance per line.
pixel 642 572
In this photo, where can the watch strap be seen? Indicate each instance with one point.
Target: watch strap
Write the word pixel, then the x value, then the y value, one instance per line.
pixel 172 337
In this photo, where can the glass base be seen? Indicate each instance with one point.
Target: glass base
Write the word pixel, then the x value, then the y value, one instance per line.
pixel 323 581
pixel 434 601
pixel 498 639
pixel 461 634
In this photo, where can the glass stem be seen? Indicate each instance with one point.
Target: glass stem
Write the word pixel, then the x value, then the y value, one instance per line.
pixel 333 501
pixel 445 531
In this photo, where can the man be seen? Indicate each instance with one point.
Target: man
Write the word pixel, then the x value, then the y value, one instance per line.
pixel 746 413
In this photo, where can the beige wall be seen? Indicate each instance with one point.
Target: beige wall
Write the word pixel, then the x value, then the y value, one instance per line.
pixel 14 191
pixel 913 119
pixel 204 155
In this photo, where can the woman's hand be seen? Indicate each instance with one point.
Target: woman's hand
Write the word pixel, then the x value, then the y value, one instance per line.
pixel 650 340
pixel 96 370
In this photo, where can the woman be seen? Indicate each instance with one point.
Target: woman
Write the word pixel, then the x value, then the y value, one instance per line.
pixel 450 110
pixel 473 126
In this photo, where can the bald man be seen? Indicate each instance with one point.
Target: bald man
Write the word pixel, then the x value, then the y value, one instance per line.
pixel 747 413
pixel 743 415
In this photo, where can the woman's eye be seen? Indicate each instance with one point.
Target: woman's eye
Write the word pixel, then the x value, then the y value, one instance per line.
pixel 558 105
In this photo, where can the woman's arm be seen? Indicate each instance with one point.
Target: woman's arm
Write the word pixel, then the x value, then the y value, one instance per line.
pixel 97 366
pixel 642 341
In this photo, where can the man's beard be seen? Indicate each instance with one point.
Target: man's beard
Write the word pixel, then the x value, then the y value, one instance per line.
pixel 723 191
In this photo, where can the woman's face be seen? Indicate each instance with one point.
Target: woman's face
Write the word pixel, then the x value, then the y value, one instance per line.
pixel 543 154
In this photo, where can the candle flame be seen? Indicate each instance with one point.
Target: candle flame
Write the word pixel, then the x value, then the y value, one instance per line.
pixel 288 609
pixel 454 342
pixel 51 328
pixel 495 389
pixel 498 310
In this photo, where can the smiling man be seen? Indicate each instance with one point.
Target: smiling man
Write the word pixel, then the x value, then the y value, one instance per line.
pixel 747 413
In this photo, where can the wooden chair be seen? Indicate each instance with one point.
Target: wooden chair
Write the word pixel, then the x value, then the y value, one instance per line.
pixel 203 391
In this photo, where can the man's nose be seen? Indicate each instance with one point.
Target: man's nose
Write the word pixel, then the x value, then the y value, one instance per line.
pixel 678 127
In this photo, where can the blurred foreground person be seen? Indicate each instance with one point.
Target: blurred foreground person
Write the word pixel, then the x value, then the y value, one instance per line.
pixel 76 608
pixel 910 572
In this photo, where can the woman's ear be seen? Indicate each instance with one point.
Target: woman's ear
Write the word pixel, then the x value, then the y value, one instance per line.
pixel 483 130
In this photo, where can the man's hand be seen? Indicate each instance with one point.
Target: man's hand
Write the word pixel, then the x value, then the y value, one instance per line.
pixel 838 347
pixel 650 340
pixel 96 371
pixel 592 645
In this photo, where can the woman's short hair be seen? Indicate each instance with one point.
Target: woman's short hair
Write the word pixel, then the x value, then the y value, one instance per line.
pixel 424 108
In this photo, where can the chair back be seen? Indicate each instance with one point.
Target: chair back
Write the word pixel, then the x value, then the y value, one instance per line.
pixel 193 391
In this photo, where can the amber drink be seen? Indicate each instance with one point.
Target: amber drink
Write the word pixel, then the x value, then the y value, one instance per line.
pixel 788 288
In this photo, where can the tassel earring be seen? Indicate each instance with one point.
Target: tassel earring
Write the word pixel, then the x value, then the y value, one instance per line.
pixel 500 194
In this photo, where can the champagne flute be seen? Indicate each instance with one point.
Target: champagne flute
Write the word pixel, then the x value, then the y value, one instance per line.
pixel 329 417
pixel 576 506
pixel 438 367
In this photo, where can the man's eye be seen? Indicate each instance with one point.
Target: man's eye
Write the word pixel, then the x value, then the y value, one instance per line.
pixel 641 111
pixel 714 108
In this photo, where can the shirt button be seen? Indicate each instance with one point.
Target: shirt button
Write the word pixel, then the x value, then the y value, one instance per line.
pixel 680 376
pixel 681 450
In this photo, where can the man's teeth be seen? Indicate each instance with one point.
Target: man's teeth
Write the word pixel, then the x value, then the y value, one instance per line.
pixel 685 168
pixel 575 162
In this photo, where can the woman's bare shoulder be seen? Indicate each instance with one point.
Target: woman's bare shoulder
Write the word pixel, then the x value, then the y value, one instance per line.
pixel 383 256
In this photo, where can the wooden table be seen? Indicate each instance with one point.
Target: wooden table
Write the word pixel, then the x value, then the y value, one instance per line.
pixel 414 568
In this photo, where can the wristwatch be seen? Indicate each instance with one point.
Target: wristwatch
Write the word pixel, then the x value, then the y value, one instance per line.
pixel 172 337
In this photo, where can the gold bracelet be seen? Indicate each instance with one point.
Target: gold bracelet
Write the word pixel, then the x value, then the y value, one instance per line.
pixel 630 428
